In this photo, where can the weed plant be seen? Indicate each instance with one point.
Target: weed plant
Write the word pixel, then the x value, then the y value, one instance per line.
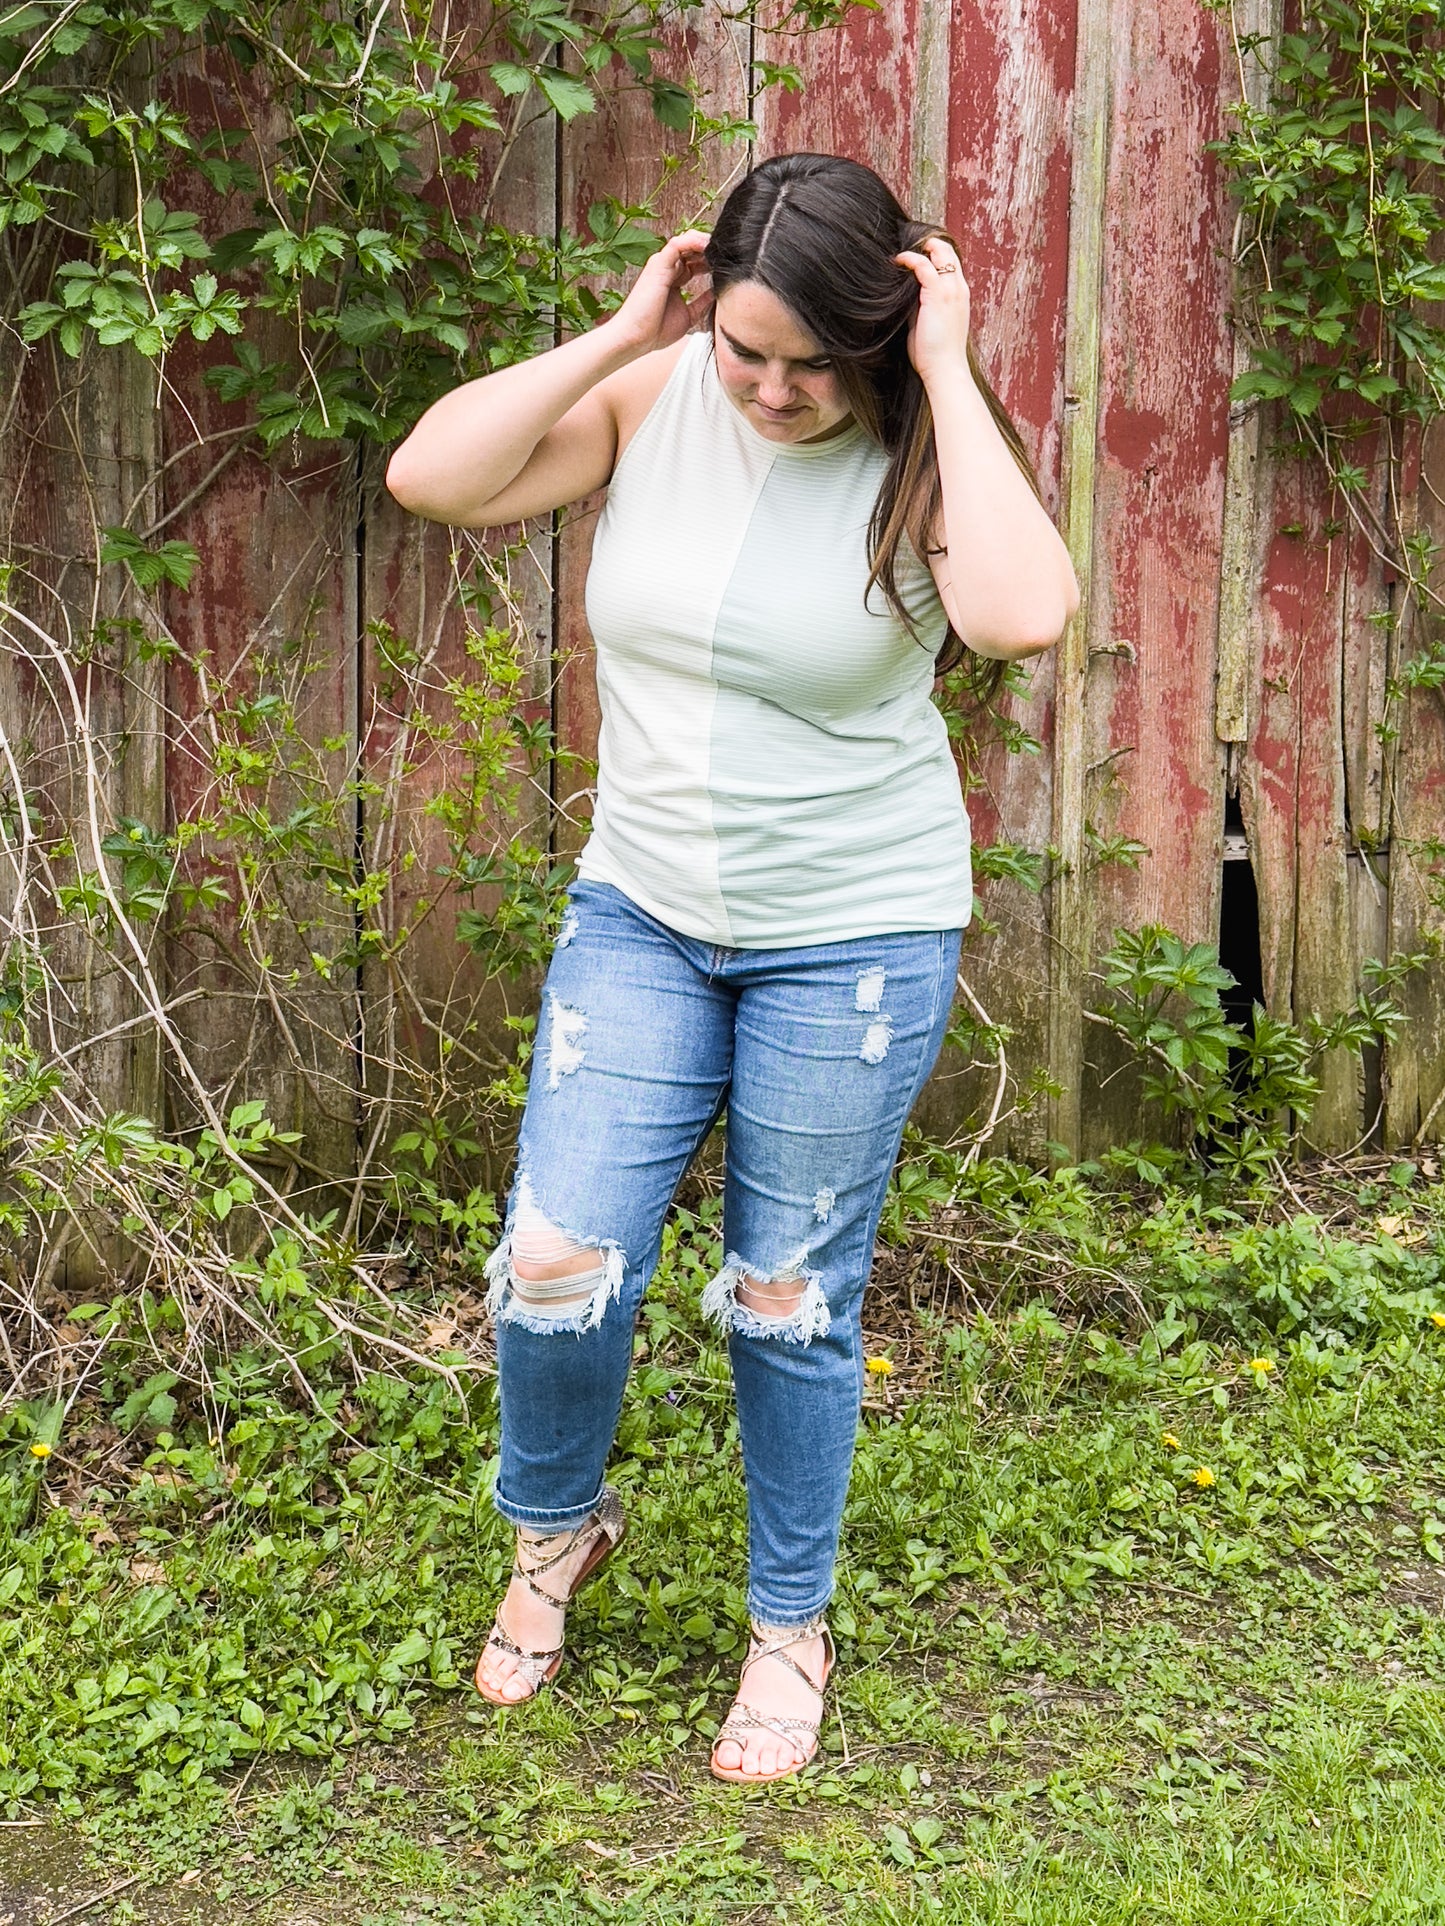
pixel 1139 1611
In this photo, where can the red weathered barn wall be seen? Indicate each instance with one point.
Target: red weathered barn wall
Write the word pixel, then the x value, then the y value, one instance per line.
pixel 1225 643
pixel 1096 230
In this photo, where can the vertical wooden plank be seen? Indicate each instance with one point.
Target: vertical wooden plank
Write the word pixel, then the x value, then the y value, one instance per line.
pixel 433 1012
pixel 1011 123
pixel 267 617
pixel 862 80
pixel 1370 593
pixel 1324 970
pixel 1068 908
pixel 1414 1066
pixel 1248 73
pixel 270 613
pixel 81 449
pixel 1369 600
pixel 77 707
pixel 928 170
pixel 1152 768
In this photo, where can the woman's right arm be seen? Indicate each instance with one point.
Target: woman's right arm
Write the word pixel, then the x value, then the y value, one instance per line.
pixel 540 434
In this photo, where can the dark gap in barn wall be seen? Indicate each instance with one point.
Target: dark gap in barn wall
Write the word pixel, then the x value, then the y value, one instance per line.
pixel 1370 885
pixel 1239 946
pixel 1367 848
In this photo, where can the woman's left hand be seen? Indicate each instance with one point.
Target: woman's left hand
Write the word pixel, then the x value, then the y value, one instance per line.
pixel 938 335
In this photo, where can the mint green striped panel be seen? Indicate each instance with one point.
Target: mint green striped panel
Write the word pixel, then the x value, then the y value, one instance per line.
pixel 773 772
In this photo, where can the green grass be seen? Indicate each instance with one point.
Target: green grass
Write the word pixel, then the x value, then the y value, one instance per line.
pixel 1077 1684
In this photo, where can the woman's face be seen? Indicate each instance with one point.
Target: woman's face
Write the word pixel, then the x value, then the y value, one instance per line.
pixel 772 369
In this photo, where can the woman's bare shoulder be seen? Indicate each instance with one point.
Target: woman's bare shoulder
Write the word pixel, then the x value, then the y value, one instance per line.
pixel 634 389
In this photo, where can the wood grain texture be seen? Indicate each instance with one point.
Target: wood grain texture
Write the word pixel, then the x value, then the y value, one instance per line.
pixel 1153 766
pixel 413 639
pixel 270 614
pixel 1247 74
pixel 1069 922
pixel 1414 1073
pixel 861 82
pixel 928 169
pixel 1010 125
pixel 80 728
pixel 1228 633
pixel 1367 619
pixel 1292 790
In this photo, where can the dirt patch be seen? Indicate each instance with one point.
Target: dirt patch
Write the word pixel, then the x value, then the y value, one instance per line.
pixel 46 1876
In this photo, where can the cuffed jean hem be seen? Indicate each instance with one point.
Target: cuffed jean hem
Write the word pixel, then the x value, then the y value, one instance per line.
pixel 789 1618
pixel 547 1520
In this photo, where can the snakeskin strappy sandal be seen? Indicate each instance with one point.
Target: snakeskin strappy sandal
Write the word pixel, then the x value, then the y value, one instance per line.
pixel 533 1559
pixel 774 1642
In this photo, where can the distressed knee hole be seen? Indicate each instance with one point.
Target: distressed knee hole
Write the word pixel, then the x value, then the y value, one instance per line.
pixel 771 1297
pixel 547 1280
pixel 787 1303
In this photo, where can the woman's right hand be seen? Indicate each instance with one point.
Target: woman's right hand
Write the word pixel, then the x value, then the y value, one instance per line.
pixel 655 314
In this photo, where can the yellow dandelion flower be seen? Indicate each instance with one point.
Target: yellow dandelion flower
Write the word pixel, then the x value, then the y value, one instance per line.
pixel 879 1367
pixel 1202 1475
pixel 1169 1441
pixel 1261 1367
pixel 1438 1317
pixel 39 1450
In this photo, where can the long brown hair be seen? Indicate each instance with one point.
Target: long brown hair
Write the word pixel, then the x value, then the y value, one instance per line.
pixel 821 232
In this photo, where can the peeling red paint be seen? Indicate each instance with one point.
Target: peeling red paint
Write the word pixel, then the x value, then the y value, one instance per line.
pixel 1311 770
pixel 1162 443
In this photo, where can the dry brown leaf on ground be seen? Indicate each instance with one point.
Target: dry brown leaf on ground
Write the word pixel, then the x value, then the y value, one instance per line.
pixel 440 1334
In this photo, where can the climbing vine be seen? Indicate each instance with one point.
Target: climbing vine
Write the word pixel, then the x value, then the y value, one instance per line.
pixel 1337 160
pixel 242 232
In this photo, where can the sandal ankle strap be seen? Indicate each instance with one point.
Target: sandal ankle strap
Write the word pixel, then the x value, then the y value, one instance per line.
pixel 606 1518
pixel 775 1642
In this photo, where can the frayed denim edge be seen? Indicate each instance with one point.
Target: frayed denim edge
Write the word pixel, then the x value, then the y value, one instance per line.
pixel 501 1298
pixel 811 1319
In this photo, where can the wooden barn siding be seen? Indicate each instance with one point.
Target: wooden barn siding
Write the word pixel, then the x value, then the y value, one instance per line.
pixel 1009 173
pixel 1063 142
pixel 408 571
pixel 273 604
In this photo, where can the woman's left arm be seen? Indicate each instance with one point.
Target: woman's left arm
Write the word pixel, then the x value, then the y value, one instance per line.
pixel 1004 575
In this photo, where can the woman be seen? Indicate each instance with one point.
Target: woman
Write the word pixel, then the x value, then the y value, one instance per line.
pixel 812 499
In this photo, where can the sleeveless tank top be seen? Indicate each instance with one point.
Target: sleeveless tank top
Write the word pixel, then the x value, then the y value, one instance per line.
pixel 772 772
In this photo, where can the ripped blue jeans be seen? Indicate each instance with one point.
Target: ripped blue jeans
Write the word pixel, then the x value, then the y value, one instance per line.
pixel 818 1055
